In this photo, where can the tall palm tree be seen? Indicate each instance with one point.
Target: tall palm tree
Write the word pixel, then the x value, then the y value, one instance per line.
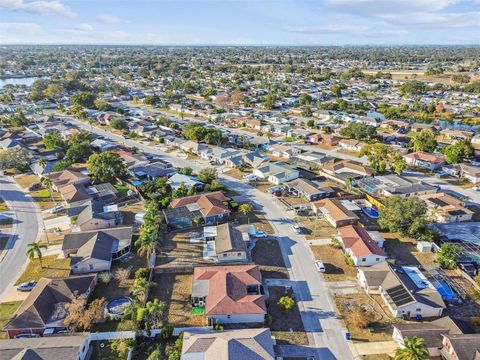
pixel 47 182
pixel 414 350
pixel 35 250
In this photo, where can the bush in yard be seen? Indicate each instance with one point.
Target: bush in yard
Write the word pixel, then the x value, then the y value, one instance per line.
pixel 358 317
pixel 349 260
pixel 448 255
pixel 335 242
pixel 219 327
pixel 121 347
pixel 286 302
pixel 141 273
pixel 268 320
pixel 122 274
pixel 105 277
pixel 166 332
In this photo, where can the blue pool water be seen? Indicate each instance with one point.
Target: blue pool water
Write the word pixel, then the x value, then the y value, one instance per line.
pixel 371 212
pixel 117 306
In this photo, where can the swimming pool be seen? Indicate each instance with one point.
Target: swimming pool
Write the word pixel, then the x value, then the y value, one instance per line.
pixel 371 212
pixel 116 307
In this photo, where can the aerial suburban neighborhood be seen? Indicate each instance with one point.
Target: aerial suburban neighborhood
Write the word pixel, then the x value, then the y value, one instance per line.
pixel 239 202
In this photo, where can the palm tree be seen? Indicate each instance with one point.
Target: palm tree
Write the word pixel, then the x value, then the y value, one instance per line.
pixel 155 355
pixel 35 250
pixel 47 182
pixel 245 209
pixel 414 349
pixel 349 182
pixel 147 242
pixel 141 286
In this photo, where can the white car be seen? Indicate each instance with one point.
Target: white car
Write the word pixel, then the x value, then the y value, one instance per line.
pixel 297 229
pixel 320 266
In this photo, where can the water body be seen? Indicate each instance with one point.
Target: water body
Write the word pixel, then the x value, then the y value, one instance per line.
pixel 27 81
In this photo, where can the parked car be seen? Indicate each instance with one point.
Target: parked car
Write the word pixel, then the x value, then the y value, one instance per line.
pixel 441 174
pixel 57 209
pixel 297 229
pixel 469 269
pixel 320 266
pixel 35 186
pixel 26 286
pixel 261 234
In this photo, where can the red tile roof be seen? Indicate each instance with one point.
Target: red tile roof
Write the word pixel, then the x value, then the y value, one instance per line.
pixel 359 241
pixel 227 289
pixel 425 156
pixel 210 204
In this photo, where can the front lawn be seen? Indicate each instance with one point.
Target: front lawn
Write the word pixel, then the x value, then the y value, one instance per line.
pixel 52 268
pixel 315 228
pixel 6 311
pixel 44 200
pixel 26 180
pixel 335 265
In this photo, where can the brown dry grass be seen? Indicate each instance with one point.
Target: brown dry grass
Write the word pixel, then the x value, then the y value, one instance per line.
pixel 178 251
pixel 287 327
pixel 52 268
pixel 26 180
pixel 404 250
pixel 175 290
pixel 236 174
pixel 3 205
pixel 130 210
pixel 315 228
pixel 335 265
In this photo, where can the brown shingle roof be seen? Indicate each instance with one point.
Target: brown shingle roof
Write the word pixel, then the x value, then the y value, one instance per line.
pixel 210 204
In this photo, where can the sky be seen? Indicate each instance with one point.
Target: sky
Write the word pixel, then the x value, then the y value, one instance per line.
pixel 240 22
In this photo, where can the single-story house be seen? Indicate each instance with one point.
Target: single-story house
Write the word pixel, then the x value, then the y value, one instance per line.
pixel 335 211
pixel 44 307
pixel 405 290
pixel 72 347
pixel 461 347
pixel 210 207
pixel 308 189
pixel 230 294
pixel 471 173
pixel 277 172
pixel 284 151
pixel 238 344
pixel 94 215
pixel 67 177
pixel 351 144
pixel 425 160
pixel 394 185
pixel 445 208
pixel 227 243
pixel 360 246
pixel 94 251
pixel 176 180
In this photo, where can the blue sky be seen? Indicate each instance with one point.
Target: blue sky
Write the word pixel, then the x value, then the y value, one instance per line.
pixel 240 22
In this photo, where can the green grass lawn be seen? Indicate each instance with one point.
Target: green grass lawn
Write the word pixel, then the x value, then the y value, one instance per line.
pixel 6 311
pixel 52 268
pixel 44 200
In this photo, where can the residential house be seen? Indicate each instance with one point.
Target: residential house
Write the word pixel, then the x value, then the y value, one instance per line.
pixel 431 332
pixel 308 189
pixel 336 212
pixel 176 180
pixel 314 160
pixel 252 123
pixel 230 294
pixel 360 246
pixel 405 290
pixel 225 243
pixel 152 171
pixel 343 170
pixel 219 155
pixel 444 208
pixel 461 347
pixel 330 139
pixel 453 134
pixel 94 215
pixel 396 125
pixel 351 145
pixel 284 151
pixel 67 177
pixel 72 347
pixel 425 160
pixel 252 160
pixel 417 127
pixel 471 173
pixel 102 145
pixel 74 194
pixel 44 307
pixel 94 251
pixel 394 185
pixel 238 344
pixel 192 147
pixel 277 172
pixel 211 207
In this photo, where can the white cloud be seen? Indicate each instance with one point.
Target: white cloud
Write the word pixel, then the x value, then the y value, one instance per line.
pixel 44 7
pixel 84 27
pixel 24 27
pixel 331 28
pixel 390 6
pixel 109 19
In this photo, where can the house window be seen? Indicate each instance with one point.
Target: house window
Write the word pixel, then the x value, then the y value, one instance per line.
pixel 239 254
pixel 225 255
pixel 418 310
pixel 228 316
pixel 364 259
pixel 90 266
pixel 377 259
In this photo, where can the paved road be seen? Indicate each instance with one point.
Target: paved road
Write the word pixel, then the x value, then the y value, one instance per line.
pixel 25 230
pixel 326 332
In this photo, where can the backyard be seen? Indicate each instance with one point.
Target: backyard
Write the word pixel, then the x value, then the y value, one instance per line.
pixel 268 256
pixel 175 291
pixel 335 265
pixel 129 211
pixel 287 326
pixel 52 268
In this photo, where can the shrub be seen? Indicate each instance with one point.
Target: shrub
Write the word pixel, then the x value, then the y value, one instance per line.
pixel 122 274
pixel 141 273
pixel 349 260
pixel 105 277
pixel 166 332
pixel 286 302
pixel 358 317
pixel 268 320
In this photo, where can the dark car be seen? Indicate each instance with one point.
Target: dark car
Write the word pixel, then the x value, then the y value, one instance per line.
pixel 26 286
pixel 469 269
pixel 35 186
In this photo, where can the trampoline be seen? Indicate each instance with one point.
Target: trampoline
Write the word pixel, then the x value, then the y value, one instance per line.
pixel 371 212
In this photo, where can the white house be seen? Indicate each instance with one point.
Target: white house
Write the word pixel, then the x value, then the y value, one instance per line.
pixel 277 172
pixel 360 246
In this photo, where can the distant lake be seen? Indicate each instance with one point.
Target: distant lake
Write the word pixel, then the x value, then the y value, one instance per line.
pixel 18 81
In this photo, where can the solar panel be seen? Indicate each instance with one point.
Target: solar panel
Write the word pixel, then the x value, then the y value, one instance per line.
pixel 400 295
pixel 438 202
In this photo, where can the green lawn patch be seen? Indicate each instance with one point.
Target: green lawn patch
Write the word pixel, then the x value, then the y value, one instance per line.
pixel 6 311
pixel 122 189
pixel 52 268
pixel 198 311
pixel 44 200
